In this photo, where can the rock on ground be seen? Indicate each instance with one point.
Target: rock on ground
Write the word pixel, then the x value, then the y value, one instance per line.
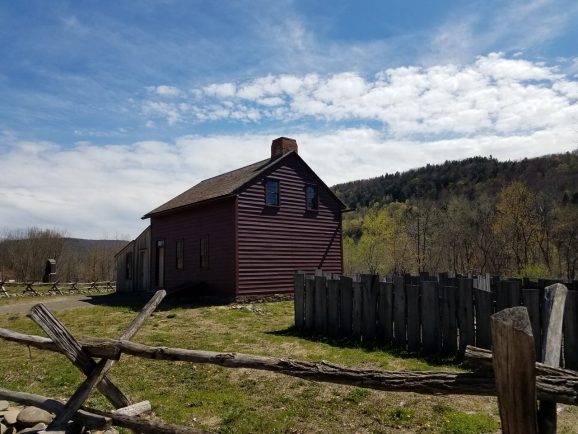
pixel 31 416
pixel 4 405
pixel 10 416
pixel 33 430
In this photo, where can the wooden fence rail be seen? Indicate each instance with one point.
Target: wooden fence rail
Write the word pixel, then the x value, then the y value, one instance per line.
pixel 32 288
pixel 426 314
pixel 513 378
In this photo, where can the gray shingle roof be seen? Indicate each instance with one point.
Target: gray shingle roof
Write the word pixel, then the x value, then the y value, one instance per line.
pixel 213 188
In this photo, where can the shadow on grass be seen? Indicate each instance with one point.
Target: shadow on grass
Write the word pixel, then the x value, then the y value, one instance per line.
pixel 135 301
pixel 371 346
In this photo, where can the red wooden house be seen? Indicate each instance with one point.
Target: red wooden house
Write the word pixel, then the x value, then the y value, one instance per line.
pixel 247 231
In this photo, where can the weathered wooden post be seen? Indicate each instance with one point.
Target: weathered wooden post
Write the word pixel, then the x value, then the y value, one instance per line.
pixel 430 315
pixel 333 295
pixel 399 310
pixel 299 299
pixel 370 289
pixel 553 316
pixel 309 303
pixel 515 370
pixel 346 305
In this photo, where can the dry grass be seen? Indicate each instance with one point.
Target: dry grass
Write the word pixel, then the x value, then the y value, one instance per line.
pixel 248 401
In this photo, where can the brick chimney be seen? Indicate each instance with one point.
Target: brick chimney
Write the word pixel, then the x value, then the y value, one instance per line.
pixel 282 146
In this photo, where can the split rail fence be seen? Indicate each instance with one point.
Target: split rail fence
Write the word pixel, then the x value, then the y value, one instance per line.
pixel 32 288
pixel 426 314
pixel 516 378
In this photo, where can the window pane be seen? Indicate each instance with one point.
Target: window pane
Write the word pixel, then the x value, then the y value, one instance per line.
pixel 312 199
pixel 272 192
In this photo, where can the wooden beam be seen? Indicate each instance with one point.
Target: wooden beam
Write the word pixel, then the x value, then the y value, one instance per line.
pixel 553 318
pixel 515 370
pixel 558 385
pixel 70 347
pixel 88 420
pixel 134 409
pixel 99 372
pixel 482 358
pixel 97 419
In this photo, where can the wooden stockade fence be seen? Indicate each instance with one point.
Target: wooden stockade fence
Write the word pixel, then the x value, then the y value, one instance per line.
pixel 32 288
pixel 426 314
pixel 516 379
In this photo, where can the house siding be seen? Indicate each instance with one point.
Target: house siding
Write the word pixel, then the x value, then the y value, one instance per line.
pixel 140 249
pixel 272 243
pixel 215 220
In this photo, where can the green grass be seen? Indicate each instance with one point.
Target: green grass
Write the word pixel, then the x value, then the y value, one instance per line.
pixel 241 400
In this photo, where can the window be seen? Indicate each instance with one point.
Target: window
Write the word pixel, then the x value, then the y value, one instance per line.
pixel 128 274
pixel 312 199
pixel 205 252
pixel 179 255
pixel 272 192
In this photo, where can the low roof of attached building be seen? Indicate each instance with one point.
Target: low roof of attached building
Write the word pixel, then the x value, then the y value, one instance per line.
pixel 223 185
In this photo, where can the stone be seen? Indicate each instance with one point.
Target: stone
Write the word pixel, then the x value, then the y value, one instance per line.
pixel 4 405
pixel 111 431
pixel 3 428
pixel 33 430
pixel 10 416
pixel 30 416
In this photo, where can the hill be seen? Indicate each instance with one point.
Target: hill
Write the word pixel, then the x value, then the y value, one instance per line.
pixel 555 175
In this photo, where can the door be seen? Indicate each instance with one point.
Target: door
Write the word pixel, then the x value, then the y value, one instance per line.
pixel 160 264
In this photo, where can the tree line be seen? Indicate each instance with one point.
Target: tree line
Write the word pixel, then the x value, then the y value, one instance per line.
pixel 24 252
pixel 516 232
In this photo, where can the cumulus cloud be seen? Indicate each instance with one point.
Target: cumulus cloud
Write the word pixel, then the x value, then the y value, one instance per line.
pixel 164 90
pixel 98 191
pixel 494 95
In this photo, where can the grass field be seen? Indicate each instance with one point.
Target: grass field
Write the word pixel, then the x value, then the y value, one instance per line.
pixel 247 401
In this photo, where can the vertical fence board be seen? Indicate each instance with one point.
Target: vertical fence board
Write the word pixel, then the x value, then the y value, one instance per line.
pixel 399 310
pixel 370 290
pixel 465 313
pixel 320 304
pixel 430 317
pixel 385 312
pixel 449 324
pixel 299 300
pixel 503 296
pixel 531 299
pixel 483 313
pixel 333 296
pixel 571 331
pixel 515 370
pixel 356 310
pixel 346 304
pixel 310 303
pixel 413 317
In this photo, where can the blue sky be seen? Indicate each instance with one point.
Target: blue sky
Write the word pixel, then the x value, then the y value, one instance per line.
pixel 112 108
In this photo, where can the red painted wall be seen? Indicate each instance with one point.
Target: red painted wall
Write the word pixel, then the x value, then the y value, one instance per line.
pixel 274 243
pixel 217 220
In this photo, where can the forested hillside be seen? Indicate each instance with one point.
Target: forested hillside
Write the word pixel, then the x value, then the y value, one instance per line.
pixel 475 215
pixel 556 175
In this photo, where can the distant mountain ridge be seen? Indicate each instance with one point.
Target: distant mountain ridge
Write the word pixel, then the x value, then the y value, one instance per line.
pixel 83 246
pixel 555 175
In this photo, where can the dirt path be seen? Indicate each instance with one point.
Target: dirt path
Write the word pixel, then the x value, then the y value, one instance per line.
pixel 56 303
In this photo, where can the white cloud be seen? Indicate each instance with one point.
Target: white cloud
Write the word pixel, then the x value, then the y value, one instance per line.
pixel 164 90
pixel 94 191
pixel 494 94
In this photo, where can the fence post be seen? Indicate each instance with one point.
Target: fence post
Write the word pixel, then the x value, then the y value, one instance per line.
pixel 345 284
pixel 356 310
pixel 531 299
pixel 571 331
pixel 514 363
pixel 320 304
pixel 465 313
pixel 333 296
pixel 554 300
pixel 399 310
pixel 299 299
pixel 309 303
pixel 448 313
pixel 385 312
pixel 483 312
pixel 370 284
pixel 430 317
pixel 413 317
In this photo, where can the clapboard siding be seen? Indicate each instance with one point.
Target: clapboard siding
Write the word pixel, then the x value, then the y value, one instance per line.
pixel 272 243
pixel 139 250
pixel 215 220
